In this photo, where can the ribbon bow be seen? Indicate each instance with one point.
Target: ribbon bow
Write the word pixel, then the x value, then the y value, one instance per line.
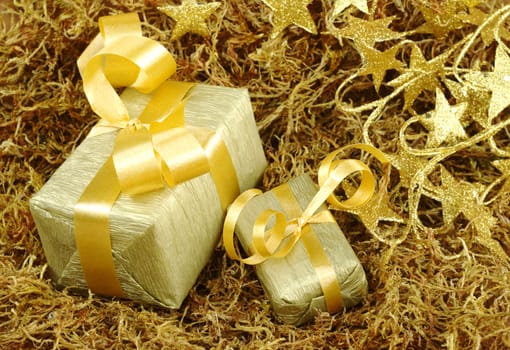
pixel 151 150
pixel 279 240
pixel 155 147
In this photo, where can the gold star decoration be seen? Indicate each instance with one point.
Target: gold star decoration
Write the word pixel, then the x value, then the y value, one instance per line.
pixel 368 32
pixel 377 63
pixel 341 5
pixel 444 123
pixel 421 75
pixel 503 165
pixel 465 197
pixel 475 99
pixel 287 12
pixel 189 17
pixel 497 81
pixel 408 166
pixel 461 197
pixel 377 209
pixel 441 21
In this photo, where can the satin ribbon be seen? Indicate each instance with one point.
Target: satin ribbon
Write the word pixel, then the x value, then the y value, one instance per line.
pixel 151 151
pixel 292 226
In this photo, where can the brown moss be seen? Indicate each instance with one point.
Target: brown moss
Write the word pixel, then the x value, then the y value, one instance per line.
pixel 438 288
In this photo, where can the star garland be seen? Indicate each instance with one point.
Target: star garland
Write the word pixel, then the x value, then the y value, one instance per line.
pixel 478 96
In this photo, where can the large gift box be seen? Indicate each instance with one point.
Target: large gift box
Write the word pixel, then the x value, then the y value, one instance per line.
pixel 156 240
pixel 301 256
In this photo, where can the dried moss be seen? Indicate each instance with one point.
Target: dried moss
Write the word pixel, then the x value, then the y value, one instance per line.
pixel 439 288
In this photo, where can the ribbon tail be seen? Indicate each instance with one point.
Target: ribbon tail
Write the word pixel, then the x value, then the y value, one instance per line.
pixel 325 272
pixel 222 170
pixel 92 231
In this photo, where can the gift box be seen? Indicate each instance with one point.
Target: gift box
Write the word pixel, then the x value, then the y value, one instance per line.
pixel 302 259
pixel 157 241
pixel 162 239
pixel 291 283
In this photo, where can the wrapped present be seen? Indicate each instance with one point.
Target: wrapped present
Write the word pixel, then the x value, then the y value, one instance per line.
pixel 302 258
pixel 137 209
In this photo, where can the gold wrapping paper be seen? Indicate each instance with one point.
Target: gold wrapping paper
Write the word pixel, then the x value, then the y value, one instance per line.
pixel 291 283
pixel 162 239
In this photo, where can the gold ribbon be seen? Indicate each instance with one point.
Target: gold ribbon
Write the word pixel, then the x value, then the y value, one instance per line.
pixel 151 151
pixel 279 240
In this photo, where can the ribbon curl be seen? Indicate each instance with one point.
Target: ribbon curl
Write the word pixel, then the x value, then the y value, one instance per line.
pixel 278 240
pixel 150 151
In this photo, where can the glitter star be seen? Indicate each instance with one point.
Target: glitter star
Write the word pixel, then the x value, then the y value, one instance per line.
pixel 377 63
pixel 287 12
pixel 408 166
pixel 498 82
pixel 378 208
pixel 461 197
pixel 444 123
pixel 368 32
pixel 421 75
pixel 476 101
pixel 341 5
pixel 465 197
pixel 189 17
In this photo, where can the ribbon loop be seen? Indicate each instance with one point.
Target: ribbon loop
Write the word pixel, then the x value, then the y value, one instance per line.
pixel 184 157
pixel 119 25
pixel 128 61
pixel 331 170
pixel 266 242
pixel 137 166
pixel 341 170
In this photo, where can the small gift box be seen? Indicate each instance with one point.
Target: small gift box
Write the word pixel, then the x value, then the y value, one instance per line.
pixel 137 209
pixel 303 260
